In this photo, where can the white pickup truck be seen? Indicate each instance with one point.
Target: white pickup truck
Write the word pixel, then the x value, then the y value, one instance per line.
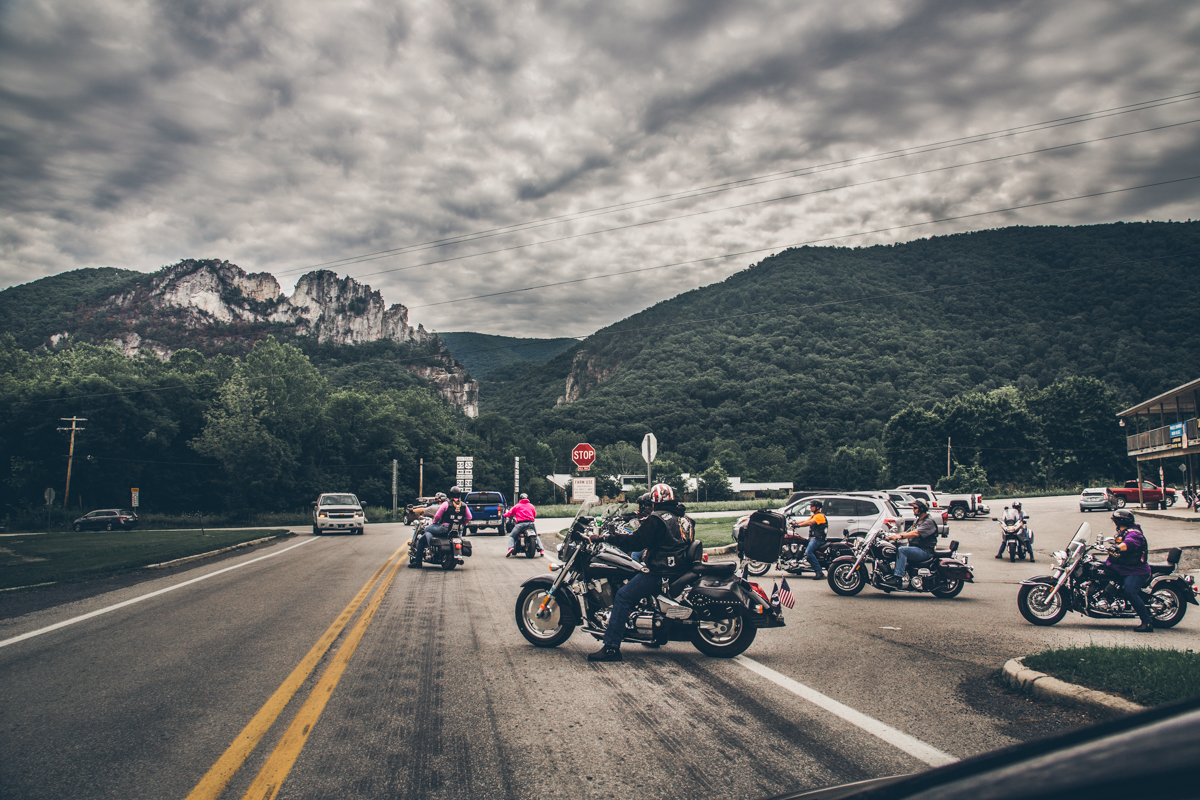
pixel 960 506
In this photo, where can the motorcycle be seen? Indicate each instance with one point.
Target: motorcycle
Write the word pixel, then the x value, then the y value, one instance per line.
pixel 526 541
pixel 1014 537
pixel 711 605
pixel 1081 582
pixel 875 558
pixel 791 557
pixel 446 550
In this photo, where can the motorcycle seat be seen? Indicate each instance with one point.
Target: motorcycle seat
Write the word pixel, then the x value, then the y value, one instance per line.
pixel 1162 569
pixel 943 554
pixel 716 569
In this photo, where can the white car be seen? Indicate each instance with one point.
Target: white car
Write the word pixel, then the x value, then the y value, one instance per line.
pixel 338 512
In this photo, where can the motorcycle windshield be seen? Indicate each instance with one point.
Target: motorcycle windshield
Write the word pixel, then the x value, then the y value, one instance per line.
pixel 1080 540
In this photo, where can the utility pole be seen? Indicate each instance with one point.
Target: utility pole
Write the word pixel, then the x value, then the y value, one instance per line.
pixel 947 456
pixel 421 480
pixel 394 466
pixel 71 452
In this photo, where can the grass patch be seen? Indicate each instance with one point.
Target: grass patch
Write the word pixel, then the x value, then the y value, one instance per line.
pixel 1142 674
pixel 715 532
pixel 70 557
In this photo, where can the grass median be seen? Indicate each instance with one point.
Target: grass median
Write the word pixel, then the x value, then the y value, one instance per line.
pixel 69 557
pixel 1142 674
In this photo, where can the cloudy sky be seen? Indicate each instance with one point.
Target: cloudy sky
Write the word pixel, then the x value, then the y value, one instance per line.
pixel 445 150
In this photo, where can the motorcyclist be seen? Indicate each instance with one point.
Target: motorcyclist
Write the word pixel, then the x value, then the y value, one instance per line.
pixel 923 536
pixel 1128 560
pixel 1012 515
pixel 523 514
pixel 818 527
pixel 666 534
pixel 453 513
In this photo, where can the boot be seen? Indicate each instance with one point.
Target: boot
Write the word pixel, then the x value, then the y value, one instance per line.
pixel 606 653
pixel 1145 627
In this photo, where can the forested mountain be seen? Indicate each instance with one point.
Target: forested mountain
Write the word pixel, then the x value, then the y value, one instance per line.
pixel 483 353
pixel 816 348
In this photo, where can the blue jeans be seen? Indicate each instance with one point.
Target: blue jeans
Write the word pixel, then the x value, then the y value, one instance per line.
pixel 810 553
pixel 644 584
pixel 903 554
pixel 430 532
pixel 520 526
pixel 1131 587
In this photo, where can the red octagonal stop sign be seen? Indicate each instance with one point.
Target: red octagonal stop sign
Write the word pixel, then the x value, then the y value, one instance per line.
pixel 583 455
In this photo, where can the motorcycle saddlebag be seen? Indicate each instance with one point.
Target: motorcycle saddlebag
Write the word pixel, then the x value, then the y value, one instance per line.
pixel 716 598
pixel 951 568
pixel 466 551
pixel 762 539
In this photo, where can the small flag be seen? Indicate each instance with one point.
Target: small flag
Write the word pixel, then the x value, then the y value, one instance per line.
pixel 775 595
pixel 785 595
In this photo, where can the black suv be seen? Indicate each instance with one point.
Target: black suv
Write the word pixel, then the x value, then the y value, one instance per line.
pixel 107 519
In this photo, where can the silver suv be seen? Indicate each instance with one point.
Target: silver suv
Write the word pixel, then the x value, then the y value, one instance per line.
pixel 338 512
pixel 847 515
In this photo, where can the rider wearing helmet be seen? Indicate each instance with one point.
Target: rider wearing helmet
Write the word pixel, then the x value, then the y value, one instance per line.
pixel 818 526
pixel 451 515
pixel 666 534
pixel 1128 560
pixel 523 513
pixel 923 536
pixel 1013 515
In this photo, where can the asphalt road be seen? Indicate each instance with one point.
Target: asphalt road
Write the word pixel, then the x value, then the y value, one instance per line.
pixel 437 694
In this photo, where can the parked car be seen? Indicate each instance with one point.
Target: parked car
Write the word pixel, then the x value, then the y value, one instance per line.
pixel 487 510
pixel 1150 493
pixel 107 519
pixel 848 515
pixel 1097 499
pixel 338 512
pixel 960 506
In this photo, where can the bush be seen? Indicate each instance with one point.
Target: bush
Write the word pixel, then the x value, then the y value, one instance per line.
pixel 966 479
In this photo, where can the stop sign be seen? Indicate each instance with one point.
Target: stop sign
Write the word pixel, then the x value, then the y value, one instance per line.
pixel 583 455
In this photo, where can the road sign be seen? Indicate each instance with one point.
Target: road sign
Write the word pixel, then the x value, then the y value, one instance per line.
pixel 464 475
pixel 583 488
pixel 649 448
pixel 134 493
pixel 583 455
pixel 1183 467
pixel 516 479
pixel 49 495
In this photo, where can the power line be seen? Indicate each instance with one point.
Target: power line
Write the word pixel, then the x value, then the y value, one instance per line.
pixel 758 180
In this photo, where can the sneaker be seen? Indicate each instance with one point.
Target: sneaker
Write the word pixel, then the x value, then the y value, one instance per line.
pixel 510 552
pixel 541 553
pixel 606 653
pixel 1144 628
pixel 820 576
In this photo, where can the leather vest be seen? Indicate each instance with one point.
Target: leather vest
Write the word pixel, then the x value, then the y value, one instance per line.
pixel 455 516
pixel 667 550
pixel 1134 556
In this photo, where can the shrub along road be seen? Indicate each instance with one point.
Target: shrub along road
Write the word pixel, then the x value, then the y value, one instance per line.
pixel 437 695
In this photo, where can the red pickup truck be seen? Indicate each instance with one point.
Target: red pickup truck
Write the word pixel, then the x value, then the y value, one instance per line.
pixel 1150 493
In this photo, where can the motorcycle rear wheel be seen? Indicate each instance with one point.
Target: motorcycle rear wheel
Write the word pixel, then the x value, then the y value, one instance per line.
pixel 1166 607
pixel 729 638
pixel 530 550
pixel 1036 608
pixel 757 568
pixel 549 632
pixel 845 580
pixel 449 564
pixel 949 589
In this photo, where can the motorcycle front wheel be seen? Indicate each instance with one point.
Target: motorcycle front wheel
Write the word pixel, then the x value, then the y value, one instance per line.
pixel 1038 607
pixel 1166 607
pixel 548 632
pixel 847 581
pixel 757 568
pixel 724 638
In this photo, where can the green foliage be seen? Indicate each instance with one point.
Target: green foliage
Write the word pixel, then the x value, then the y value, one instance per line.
pixel 966 479
pixel 35 311
pixel 714 483
pixel 483 354
pixel 1147 675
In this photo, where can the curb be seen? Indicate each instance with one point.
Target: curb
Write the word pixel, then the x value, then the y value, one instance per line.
pixel 211 553
pixel 1137 512
pixel 1044 687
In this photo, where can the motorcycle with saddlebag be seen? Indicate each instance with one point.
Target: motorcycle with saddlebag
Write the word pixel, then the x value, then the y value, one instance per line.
pixel 1081 582
pixel 875 558
pixel 710 605
pixel 791 556
pixel 449 549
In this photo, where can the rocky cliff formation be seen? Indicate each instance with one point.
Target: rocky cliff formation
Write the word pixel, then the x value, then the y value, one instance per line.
pixel 194 303
pixel 586 373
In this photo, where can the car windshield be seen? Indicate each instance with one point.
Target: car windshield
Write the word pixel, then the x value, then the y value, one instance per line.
pixel 339 500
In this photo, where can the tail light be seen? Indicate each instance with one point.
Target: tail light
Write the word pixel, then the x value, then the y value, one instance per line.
pixel 945 516
pixel 705 558
pixel 761 593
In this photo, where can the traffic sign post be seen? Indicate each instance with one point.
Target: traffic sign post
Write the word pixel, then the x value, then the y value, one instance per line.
pixel 583 454
pixel 516 479
pixel 134 497
pixel 649 451
pixel 464 475
pixel 49 495
pixel 582 488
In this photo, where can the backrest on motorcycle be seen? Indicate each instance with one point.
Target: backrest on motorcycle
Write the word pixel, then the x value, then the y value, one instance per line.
pixel 953 545
pixel 762 539
pixel 695 552
pixel 1173 555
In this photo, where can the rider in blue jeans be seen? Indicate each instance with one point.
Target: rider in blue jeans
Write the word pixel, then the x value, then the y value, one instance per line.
pixel 923 536
pixel 1129 562
pixel 818 527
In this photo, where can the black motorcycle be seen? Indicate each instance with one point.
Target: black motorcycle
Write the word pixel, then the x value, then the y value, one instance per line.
pixel 1014 537
pixel 448 550
pixel 710 605
pixel 526 541
pixel 875 558
pixel 1081 582
pixel 791 556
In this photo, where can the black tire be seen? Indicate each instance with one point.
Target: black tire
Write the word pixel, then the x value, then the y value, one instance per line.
pixel 958 512
pixel 449 563
pixel 757 568
pixel 1034 608
pixel 530 550
pixel 108 527
pixel 843 579
pixel 1012 551
pixel 550 632
pixel 77 528
pixel 730 638
pixel 1120 502
pixel 1171 500
pixel 1166 607
pixel 949 589
pixel 359 531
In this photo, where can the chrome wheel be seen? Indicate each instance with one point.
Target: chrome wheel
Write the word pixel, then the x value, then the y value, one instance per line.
pixel 546 630
pixel 1166 607
pixel 757 568
pixel 1038 607
pixel 723 638
pixel 846 580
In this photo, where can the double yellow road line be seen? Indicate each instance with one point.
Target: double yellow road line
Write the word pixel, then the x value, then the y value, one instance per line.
pixel 274 772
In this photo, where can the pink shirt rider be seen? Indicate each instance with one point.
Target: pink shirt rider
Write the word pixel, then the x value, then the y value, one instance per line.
pixel 523 511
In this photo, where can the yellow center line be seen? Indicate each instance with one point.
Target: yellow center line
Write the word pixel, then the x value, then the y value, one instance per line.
pixel 271 777
pixel 217 778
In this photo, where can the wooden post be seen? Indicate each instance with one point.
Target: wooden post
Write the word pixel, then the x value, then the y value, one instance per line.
pixel 1141 496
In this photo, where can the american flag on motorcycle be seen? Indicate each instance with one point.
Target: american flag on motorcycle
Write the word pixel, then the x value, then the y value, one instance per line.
pixel 785 595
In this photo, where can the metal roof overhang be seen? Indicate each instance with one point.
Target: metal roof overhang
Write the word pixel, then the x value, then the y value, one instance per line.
pixel 1180 400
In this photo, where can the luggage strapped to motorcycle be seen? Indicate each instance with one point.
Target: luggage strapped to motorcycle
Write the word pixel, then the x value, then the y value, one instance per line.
pixel 762 538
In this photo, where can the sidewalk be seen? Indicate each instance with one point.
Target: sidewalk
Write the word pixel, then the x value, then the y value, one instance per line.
pixel 1175 513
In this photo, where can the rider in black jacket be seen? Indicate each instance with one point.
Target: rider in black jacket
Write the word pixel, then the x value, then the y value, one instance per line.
pixel 666 535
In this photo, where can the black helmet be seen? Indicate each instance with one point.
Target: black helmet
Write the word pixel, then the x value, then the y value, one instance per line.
pixel 816 503
pixel 456 492
pixel 920 506
pixel 523 496
pixel 1123 518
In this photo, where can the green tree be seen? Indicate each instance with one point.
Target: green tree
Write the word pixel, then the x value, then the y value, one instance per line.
pixel 966 479
pixel 914 441
pixel 856 468
pixel 714 483
pixel 1078 418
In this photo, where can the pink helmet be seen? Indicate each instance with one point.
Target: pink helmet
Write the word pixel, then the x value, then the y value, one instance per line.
pixel 661 493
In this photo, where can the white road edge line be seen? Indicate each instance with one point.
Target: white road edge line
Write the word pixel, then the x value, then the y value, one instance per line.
pixel 131 601
pixel 914 747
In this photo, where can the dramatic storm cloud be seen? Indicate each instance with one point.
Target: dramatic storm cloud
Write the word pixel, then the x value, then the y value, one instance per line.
pixel 281 135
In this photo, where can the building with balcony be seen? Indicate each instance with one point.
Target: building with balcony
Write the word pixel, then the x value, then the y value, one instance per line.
pixel 1165 428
